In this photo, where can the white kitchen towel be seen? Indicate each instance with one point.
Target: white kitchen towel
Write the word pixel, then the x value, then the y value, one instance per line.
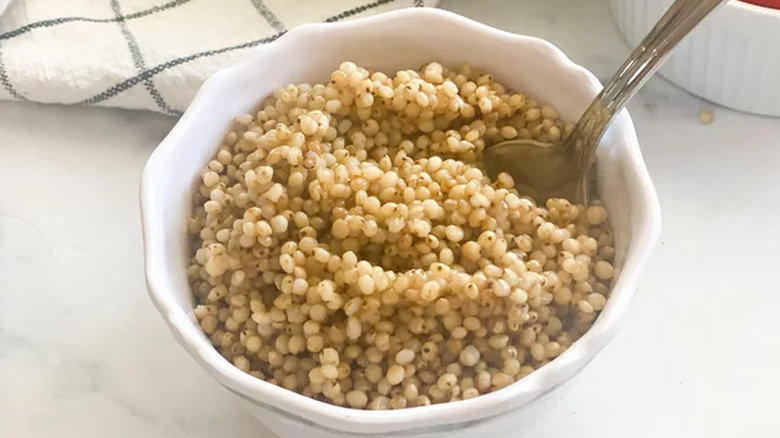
pixel 145 54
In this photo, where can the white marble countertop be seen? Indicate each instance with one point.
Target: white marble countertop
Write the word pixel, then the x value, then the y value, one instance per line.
pixel 84 354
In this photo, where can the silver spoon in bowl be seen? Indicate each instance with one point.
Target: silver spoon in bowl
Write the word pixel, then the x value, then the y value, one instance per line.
pixel 564 169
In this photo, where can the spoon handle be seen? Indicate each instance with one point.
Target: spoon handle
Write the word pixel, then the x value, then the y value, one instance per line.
pixel 675 24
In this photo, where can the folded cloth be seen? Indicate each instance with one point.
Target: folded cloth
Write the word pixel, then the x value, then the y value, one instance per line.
pixel 145 54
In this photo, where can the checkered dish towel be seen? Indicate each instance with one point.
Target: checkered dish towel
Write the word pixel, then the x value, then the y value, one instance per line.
pixel 145 54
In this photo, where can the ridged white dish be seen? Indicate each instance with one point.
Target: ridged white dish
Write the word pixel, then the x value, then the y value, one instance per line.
pixel 732 59
pixel 402 39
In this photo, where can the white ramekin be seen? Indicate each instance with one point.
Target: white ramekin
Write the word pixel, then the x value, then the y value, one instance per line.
pixel 732 59
pixel 402 39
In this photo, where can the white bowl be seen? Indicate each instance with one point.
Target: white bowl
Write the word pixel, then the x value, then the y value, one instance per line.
pixel 402 39
pixel 732 59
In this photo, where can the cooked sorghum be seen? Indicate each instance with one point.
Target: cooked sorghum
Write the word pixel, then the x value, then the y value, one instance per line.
pixel 347 245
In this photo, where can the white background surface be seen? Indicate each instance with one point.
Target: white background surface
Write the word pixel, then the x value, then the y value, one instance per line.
pixel 84 354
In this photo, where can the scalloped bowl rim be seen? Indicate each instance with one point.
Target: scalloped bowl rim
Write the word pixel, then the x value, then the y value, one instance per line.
pixel 348 420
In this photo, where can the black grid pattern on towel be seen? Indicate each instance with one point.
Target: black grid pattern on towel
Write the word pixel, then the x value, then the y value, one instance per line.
pixel 5 81
pixel 151 72
pixel 145 73
pixel 268 15
pixel 139 62
pixel 63 20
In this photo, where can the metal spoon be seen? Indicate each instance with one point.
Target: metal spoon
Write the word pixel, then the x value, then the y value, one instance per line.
pixel 564 169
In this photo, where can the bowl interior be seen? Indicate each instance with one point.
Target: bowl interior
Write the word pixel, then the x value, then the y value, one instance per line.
pixel 399 40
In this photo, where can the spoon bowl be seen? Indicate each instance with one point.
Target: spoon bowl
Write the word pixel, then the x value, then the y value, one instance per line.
pixel 565 169
pixel 547 170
